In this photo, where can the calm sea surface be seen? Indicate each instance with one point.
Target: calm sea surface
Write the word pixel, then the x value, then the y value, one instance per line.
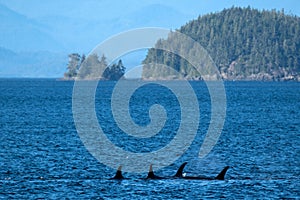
pixel 42 156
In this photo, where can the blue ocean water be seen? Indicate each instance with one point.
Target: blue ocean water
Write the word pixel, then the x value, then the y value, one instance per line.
pixel 42 156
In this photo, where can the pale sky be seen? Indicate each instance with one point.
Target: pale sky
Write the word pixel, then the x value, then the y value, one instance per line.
pixel 109 8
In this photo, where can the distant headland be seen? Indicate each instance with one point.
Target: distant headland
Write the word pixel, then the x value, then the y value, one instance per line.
pixel 244 43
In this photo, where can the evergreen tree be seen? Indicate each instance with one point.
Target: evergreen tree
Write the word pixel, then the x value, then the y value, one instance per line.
pixel 90 67
pixel 103 64
pixel 115 71
pixel 73 65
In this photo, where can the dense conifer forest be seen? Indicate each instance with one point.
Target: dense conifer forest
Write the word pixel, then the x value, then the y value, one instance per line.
pixel 244 43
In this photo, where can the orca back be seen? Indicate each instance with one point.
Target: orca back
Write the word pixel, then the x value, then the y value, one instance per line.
pixel 119 174
pixel 180 170
pixel 151 174
pixel 221 175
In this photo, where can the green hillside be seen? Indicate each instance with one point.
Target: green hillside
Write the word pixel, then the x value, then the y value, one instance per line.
pixel 245 44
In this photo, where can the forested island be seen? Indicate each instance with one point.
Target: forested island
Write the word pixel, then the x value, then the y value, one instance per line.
pixel 91 67
pixel 245 44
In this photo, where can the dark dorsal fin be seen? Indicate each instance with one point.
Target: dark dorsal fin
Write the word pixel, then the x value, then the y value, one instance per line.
pixel 222 173
pixel 180 170
pixel 119 173
pixel 151 173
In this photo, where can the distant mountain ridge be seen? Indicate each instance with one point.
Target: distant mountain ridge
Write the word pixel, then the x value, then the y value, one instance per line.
pixel 58 35
pixel 245 44
pixel 20 33
pixel 38 64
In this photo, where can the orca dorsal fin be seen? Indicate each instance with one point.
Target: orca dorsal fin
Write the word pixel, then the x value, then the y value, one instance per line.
pixel 151 173
pixel 180 170
pixel 119 173
pixel 221 175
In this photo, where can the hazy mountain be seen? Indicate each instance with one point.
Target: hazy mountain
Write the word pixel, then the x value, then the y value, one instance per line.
pixel 30 44
pixel 82 35
pixel 31 64
pixel 23 34
pixel 57 32
pixel 26 47
pixel 153 15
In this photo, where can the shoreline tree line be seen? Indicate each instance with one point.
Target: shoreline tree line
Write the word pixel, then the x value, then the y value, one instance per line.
pixel 91 67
